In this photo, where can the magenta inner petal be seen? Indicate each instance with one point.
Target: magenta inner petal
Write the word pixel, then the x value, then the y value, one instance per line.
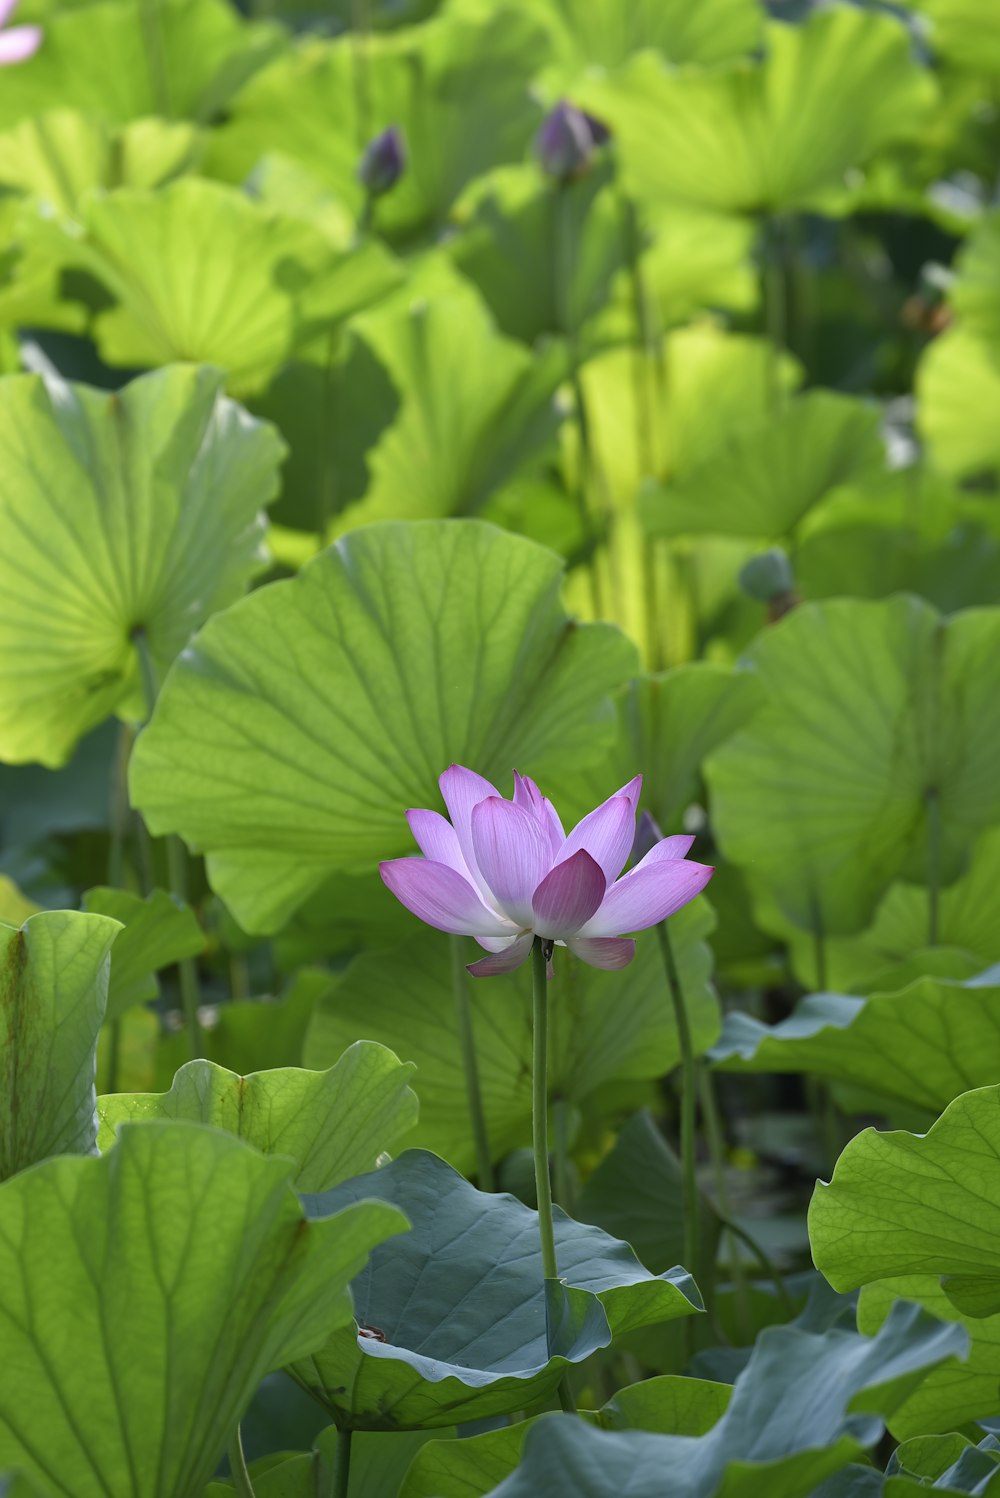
pixel 607 834
pixel 567 896
pixel 511 853
pixel 441 898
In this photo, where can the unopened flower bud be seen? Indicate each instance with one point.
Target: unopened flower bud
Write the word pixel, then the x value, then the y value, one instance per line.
pixel 565 143
pixel 383 162
pixel 767 576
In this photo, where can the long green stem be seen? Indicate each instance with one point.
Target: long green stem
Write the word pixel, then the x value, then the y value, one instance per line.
pixel 176 862
pixel 540 1106
pixel 156 62
pixel 238 1467
pixel 717 1153
pixel 342 1465
pixel 118 830
pixel 933 864
pixel 470 1065
pixel 689 1091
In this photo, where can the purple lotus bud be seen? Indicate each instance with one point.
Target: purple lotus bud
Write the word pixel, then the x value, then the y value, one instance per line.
pixel 565 143
pixel 383 162
pixel 647 835
pixel 600 133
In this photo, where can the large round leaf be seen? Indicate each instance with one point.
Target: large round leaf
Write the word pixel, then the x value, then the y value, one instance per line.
pixel 958 389
pixel 603 33
pixel 53 989
pixel 764 480
pixel 903 1204
pixel 966 32
pixel 922 1046
pixel 143 1296
pixel 62 154
pixel 96 59
pixel 773 135
pixel 805 1405
pixel 468 1330
pixel 873 708
pixel 126 512
pixel 156 932
pixel 333 1124
pixel 201 272
pixel 975 294
pixel 605 1027
pixel 295 732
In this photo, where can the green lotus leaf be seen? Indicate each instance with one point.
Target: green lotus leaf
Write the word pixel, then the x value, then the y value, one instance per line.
pixel 333 1124
pixel 156 932
pixel 904 1204
pixel 958 387
pixel 765 479
pixel 247 1036
pixel 95 59
pixel 383 690
pixel 473 408
pixel 605 1027
pixel 458 88
pixel 776 134
pixel 873 709
pixel 637 1193
pixel 952 1395
pixel 602 34
pixel 975 294
pixel 135 511
pixel 58 156
pixel 911 531
pixel 965 32
pixel 200 272
pixel 922 1046
pixel 805 1405
pixel 951 1463
pixel 967 931
pixel 53 989
pixel 480 1337
pixel 668 724
pixel 379 1462
pixel 143 1296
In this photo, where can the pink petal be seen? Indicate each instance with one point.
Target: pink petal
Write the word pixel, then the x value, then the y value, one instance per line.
pixel 20 43
pixel 633 791
pixel 607 833
pixel 513 954
pixel 610 952
pixel 678 846
pixel 568 895
pixel 648 895
pixel 462 790
pixel 512 854
pixel 437 840
pixel 7 9
pixel 529 797
pixel 441 898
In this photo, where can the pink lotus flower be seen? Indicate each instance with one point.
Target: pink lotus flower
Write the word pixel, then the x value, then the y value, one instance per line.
pixel 505 872
pixel 20 42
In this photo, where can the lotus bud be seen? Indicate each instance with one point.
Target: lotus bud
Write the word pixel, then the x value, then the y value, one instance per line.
pixel 383 162
pixel 565 143
pixel 768 578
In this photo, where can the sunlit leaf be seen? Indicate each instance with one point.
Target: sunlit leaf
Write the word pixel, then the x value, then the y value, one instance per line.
pixel 603 33
pixel 332 1124
pixel 53 989
pixel 96 59
pixel 606 1027
pixel 764 480
pixel 383 689
pixel 958 387
pixel 138 511
pixel 873 709
pixel 143 1296
pixel 477 1339
pixel 200 272
pixel 774 134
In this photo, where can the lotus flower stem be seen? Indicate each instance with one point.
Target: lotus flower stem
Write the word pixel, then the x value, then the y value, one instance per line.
pixel 717 1153
pixel 238 1467
pixel 342 1465
pixel 689 1092
pixel 540 954
pixel 467 1045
